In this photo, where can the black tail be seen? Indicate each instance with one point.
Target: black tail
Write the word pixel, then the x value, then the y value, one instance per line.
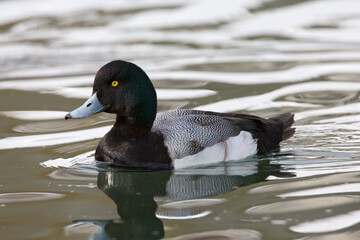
pixel 286 120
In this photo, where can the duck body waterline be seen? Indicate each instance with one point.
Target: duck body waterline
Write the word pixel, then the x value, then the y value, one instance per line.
pixel 141 138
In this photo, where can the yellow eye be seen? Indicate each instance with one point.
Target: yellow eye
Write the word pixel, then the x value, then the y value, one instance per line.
pixel 114 83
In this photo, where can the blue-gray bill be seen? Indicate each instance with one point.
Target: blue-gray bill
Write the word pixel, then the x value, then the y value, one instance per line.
pixel 90 107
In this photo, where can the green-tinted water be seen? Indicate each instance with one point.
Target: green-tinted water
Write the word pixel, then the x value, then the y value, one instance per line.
pixel 259 57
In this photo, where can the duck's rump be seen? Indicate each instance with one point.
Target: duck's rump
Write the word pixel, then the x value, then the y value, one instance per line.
pixel 227 136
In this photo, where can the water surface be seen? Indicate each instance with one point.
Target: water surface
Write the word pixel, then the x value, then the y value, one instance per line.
pixel 261 57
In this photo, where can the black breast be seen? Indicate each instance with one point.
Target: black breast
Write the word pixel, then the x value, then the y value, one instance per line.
pixel 147 151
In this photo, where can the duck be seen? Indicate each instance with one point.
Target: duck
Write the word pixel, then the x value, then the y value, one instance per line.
pixel 181 138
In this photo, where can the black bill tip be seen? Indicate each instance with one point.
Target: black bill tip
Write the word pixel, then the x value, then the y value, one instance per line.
pixel 68 116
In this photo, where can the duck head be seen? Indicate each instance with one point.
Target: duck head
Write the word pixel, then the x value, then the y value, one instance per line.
pixel 122 88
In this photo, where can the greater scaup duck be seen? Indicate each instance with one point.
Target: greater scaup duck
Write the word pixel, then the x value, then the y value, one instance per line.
pixel 140 138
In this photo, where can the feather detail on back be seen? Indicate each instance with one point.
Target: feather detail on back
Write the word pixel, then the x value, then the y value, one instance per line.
pixel 188 132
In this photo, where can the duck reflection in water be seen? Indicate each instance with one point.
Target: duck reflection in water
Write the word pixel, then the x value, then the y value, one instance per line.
pixel 136 194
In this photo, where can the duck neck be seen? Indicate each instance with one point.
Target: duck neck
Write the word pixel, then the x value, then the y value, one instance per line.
pixel 132 126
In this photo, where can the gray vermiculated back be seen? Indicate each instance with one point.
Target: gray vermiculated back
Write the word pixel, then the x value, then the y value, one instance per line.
pixel 187 132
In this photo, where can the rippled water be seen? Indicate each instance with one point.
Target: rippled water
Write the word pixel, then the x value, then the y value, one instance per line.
pixel 261 57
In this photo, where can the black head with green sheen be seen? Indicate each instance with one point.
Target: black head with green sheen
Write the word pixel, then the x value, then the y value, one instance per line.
pixel 122 88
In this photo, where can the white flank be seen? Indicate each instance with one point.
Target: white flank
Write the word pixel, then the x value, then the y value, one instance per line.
pixel 235 148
